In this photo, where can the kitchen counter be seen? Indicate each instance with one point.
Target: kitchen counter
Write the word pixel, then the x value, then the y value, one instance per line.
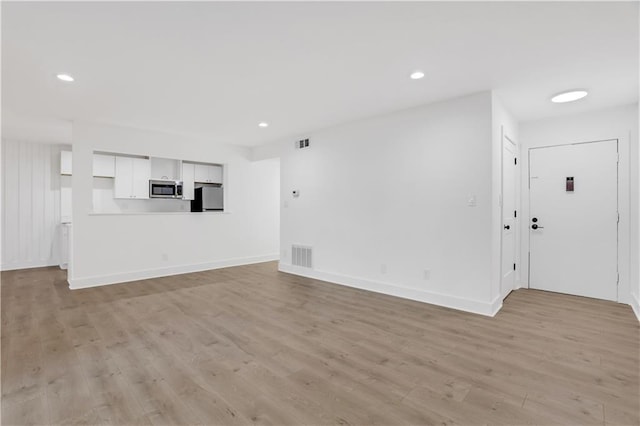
pixel 156 213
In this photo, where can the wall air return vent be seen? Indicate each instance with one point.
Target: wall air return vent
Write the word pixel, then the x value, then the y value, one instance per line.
pixel 302 256
pixel 302 143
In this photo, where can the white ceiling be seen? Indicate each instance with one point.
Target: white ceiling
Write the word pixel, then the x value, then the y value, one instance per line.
pixel 217 69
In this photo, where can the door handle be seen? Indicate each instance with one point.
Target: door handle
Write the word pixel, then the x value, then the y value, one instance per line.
pixel 535 226
pixel 507 227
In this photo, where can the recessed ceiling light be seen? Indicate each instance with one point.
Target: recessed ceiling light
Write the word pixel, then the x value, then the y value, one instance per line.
pixel 65 77
pixel 263 124
pixel 416 75
pixel 570 96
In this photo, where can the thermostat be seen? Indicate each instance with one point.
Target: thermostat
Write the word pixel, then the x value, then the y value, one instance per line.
pixel 569 184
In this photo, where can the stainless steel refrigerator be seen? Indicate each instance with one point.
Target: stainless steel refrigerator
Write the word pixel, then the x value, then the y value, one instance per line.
pixel 208 198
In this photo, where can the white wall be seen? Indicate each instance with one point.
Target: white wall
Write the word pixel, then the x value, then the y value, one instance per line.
pixel 613 123
pixel 31 204
pixel 384 199
pixel 109 248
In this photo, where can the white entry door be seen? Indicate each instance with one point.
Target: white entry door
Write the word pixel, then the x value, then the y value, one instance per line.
pixel 507 281
pixel 573 223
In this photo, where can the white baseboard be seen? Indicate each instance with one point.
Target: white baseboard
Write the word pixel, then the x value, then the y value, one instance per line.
pixel 635 305
pixel 454 302
pixel 28 265
pixel 100 280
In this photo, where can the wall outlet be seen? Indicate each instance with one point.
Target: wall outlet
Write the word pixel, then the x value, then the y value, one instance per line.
pixel 426 274
pixel 471 202
pixel 383 269
pixel 286 204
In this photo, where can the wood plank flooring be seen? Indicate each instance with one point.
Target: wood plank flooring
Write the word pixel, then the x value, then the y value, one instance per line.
pixel 248 345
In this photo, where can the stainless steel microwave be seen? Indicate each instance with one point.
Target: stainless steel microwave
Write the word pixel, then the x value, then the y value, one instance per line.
pixel 165 188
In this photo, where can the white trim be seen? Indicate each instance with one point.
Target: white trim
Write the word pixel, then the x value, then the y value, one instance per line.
pixel 99 280
pixel 28 265
pixel 467 305
pixel 503 295
pixel 635 305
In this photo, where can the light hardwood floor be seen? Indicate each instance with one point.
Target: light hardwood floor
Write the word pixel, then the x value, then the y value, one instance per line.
pixel 251 345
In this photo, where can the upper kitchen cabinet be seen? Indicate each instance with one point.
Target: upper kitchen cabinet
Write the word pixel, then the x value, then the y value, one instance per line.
pixel 132 176
pixel 208 173
pixel 188 181
pixel 104 165
pixel 65 163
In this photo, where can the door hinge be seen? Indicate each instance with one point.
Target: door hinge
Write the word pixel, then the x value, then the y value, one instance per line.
pixel 618 217
pixel 514 266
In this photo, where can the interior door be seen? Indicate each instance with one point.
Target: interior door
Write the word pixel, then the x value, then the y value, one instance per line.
pixel 573 221
pixel 507 282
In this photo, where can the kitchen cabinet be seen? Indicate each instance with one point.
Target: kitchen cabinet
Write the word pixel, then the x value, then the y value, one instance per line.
pixel 131 177
pixel 65 163
pixel 208 173
pixel 104 165
pixel 188 181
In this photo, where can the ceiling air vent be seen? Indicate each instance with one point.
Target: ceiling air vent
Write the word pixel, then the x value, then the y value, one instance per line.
pixel 302 256
pixel 302 143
